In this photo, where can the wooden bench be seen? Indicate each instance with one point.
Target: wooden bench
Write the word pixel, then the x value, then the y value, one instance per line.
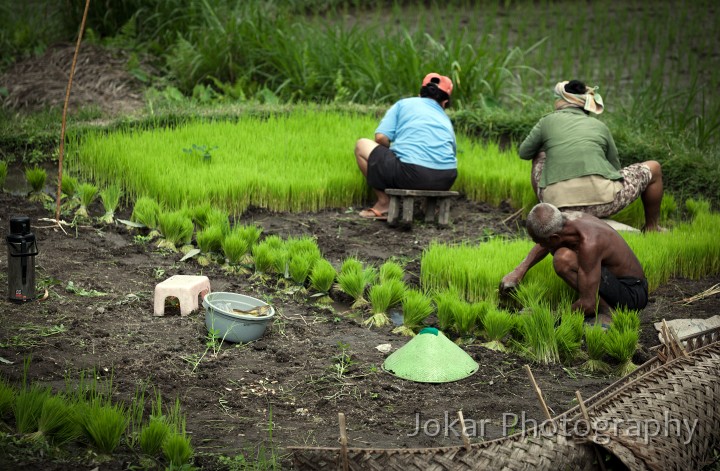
pixel 405 199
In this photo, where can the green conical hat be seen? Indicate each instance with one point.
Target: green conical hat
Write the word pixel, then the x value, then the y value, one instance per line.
pixel 430 357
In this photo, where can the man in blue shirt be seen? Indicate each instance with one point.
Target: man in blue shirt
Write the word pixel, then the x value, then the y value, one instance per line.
pixel 414 146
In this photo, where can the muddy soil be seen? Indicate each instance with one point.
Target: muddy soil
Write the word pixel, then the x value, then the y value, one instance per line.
pixel 284 389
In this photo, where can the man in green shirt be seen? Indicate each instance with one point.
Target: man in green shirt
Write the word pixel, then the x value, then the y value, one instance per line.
pixel 576 165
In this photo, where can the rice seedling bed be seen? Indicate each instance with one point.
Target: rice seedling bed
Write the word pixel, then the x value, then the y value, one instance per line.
pixel 314 361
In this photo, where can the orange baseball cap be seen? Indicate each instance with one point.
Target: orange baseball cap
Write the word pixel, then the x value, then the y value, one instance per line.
pixel 443 83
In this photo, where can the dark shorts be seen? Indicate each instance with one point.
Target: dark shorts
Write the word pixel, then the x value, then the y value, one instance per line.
pixel 624 291
pixel 386 171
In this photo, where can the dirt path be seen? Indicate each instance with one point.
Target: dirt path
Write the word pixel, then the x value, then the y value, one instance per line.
pixel 288 380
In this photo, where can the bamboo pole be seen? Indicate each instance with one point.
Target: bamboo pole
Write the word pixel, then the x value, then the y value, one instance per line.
pixel 64 113
pixel 586 416
pixel 538 392
pixel 343 442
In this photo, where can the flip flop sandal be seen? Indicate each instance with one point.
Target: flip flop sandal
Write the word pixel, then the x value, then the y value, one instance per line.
pixel 377 215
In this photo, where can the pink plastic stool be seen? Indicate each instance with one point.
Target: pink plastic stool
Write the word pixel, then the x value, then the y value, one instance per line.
pixel 186 288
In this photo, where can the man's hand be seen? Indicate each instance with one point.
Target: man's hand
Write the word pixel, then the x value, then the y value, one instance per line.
pixel 508 286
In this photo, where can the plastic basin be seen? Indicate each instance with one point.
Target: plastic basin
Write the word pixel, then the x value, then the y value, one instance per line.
pixel 233 327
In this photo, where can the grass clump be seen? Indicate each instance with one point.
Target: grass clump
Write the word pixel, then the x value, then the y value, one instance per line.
pixel 596 346
pixel 380 297
pixel 176 228
pixel 7 398
pixel 153 435
pixel 147 212
pixel 36 178
pixel 416 308
pixel 538 335
pixel 210 239
pixel 3 173
pixel 622 340
pixel 68 186
pixel 177 450
pixel 58 422
pixel 447 303
pixel 322 277
pixel 300 266
pixel 569 334
pixel 103 424
pixel 86 193
pixel 235 246
pixel 110 198
pixel 498 324
pixel 390 270
pixel 28 408
pixel 262 257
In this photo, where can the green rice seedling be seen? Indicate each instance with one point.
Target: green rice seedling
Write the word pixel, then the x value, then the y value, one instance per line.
pixel 68 186
pixel 274 241
pixel 28 407
pixel 110 198
pixel 528 293
pixel 218 217
pixel 447 303
pixel 262 257
pixel 621 345
pixel 136 414
pixel 380 297
pixel 86 193
pixel 176 228
pixel 464 318
pixel 353 284
pixel 281 259
pixel 498 324
pixel 351 264
pixel 177 450
pixel 300 266
pixel 569 334
pixel 103 424
pixel 596 346
pixel 146 211
pixel 3 173
pixel 416 308
pixel 250 232
pixel 625 319
pixel 235 246
pixel 36 178
pixel 304 244
pixel 58 422
pixel 7 398
pixel 480 309
pixel 390 270
pixel 210 239
pixel 153 435
pixel 397 287
pixel 322 277
pixel 200 214
pixel 538 335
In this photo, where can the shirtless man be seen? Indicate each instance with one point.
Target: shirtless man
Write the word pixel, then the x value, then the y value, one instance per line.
pixel 589 256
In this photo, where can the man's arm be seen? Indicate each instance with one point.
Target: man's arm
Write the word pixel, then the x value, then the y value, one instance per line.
pixel 532 144
pixel 382 139
pixel 588 278
pixel 513 279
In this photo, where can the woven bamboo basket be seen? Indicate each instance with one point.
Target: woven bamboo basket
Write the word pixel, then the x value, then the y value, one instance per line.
pixel 679 389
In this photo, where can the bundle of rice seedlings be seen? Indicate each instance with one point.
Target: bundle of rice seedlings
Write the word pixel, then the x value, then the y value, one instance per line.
pixel 103 424
pixel 177 450
pixel 86 193
pixel 538 335
pixel 235 246
pixel 528 293
pixel 480 309
pixel 447 303
pixel 300 266
pixel 596 346
pixel 200 214
pixel 28 407
pixel 353 284
pixel 210 238
pixel 36 178
pixel 262 257
pixel 390 270
pixel 58 422
pixel 110 197
pixel 217 217
pixel 380 297
pixel 351 264
pixel 7 398
pixel 147 212
pixel 176 228
pixel 3 173
pixel 251 233
pixel 464 318
pixel 498 323
pixel 68 186
pixel 397 287
pixel 280 260
pixel 569 334
pixel 416 308
pixel 625 319
pixel 621 345
pixel 322 277
pixel 153 435
pixel 274 241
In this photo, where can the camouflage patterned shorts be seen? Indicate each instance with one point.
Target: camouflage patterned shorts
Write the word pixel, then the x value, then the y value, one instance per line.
pixel 636 178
